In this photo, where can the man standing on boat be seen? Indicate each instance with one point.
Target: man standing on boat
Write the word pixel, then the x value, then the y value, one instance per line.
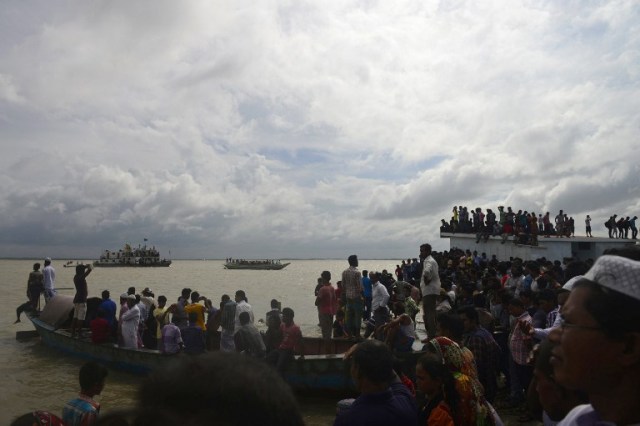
pixel 352 295
pixel 49 280
pixel 80 299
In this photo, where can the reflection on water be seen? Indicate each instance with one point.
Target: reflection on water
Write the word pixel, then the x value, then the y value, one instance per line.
pixel 36 377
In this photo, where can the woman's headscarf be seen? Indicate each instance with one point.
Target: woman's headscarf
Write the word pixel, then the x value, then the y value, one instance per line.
pixel 473 409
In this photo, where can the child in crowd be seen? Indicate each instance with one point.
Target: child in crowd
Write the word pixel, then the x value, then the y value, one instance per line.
pixel 83 410
pixel 339 329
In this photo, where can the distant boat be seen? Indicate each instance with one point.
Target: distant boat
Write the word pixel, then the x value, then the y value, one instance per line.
pixel 70 264
pixel 141 257
pixel 259 264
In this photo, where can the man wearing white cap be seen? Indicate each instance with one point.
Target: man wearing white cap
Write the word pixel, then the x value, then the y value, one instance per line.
pixel 129 324
pixel 597 346
pixel 49 280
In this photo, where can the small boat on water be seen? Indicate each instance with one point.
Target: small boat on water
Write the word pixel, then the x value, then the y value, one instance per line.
pixel 71 264
pixel 258 264
pixel 316 372
pixel 140 257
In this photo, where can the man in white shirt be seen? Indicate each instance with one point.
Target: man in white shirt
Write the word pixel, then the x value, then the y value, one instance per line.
pixel 379 301
pixel 430 288
pixel 49 280
pixel 242 306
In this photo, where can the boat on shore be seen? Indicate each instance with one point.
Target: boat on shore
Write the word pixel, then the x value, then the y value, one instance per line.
pixel 317 372
pixel 258 264
pixel 140 257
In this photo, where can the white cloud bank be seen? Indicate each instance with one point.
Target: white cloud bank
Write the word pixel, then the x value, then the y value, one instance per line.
pixel 303 129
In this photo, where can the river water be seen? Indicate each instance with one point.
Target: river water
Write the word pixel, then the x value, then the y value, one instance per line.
pixel 36 377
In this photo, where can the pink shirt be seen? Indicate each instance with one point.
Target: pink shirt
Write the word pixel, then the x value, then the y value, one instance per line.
pixel 291 336
pixel 327 299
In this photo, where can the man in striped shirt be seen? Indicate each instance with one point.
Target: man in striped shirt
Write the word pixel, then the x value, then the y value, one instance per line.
pixel 352 296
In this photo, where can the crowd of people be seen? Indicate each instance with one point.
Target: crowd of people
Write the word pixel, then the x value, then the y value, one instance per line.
pixel 559 341
pixel 619 228
pixel 489 322
pixel 525 227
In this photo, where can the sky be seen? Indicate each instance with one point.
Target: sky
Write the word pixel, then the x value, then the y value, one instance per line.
pixel 305 129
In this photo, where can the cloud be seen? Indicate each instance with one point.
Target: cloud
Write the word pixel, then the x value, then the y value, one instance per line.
pixel 308 130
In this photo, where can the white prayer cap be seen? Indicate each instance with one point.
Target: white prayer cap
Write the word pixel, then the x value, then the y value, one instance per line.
pixel 569 284
pixel 617 273
pixel 47 259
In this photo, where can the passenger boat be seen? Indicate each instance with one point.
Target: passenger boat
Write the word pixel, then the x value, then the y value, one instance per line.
pixel 142 256
pixel 316 372
pixel 259 264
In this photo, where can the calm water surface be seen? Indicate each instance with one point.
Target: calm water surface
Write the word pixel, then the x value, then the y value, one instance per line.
pixel 36 377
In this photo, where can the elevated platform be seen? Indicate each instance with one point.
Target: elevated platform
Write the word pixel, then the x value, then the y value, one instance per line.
pixel 551 248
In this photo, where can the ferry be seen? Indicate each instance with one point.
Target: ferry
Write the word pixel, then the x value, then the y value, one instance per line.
pixel 261 264
pixel 142 256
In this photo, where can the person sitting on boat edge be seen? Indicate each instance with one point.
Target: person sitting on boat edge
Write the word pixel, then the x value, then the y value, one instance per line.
pixel 339 329
pixel 284 355
pixel 399 333
pixel 384 400
pixel 84 410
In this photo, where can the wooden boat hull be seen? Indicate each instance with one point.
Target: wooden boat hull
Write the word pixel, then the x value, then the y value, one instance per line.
pixel 313 374
pixel 134 361
pixel 256 267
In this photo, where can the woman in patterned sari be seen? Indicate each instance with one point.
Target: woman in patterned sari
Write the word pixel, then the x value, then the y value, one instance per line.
pixel 473 408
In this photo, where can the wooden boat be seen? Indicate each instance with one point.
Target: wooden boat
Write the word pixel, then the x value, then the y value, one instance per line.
pixel 49 326
pixel 70 264
pixel 140 257
pixel 316 372
pixel 261 265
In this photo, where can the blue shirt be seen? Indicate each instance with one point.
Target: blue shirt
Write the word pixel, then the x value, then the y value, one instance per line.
pixel 193 338
pixel 366 284
pixel 81 410
pixel 109 308
pixel 394 406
